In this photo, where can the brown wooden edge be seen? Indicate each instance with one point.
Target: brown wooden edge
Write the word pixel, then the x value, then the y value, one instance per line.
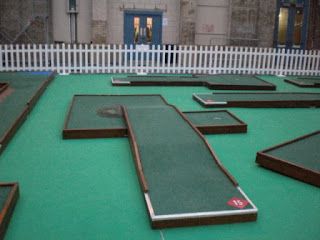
pixel 287 168
pixel 238 87
pixel 8 208
pixel 264 104
pixel 298 84
pixel 13 128
pixel 94 133
pixel 135 152
pixel 3 87
pixel 201 221
pixel 309 78
pixel 221 129
pixel 68 114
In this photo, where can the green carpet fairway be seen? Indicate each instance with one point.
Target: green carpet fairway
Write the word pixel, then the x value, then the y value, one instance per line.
pixel 206 118
pixel 307 82
pixel 88 188
pixel 4 194
pixel 303 153
pixel 24 86
pixel 232 79
pixel 257 97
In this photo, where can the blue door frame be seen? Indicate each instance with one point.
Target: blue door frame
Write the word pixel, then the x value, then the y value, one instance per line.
pixel 292 8
pixel 141 34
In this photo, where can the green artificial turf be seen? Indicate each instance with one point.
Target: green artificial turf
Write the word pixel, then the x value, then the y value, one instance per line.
pixel 88 188
pixel 24 87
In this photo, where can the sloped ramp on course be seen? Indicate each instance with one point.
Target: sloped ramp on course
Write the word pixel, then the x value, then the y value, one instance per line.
pixel 182 179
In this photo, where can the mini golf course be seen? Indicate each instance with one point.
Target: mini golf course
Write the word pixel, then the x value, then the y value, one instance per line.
pixel 216 82
pixel 182 179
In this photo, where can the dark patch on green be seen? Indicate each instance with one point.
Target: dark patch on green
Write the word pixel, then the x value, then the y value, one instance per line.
pixel 110 111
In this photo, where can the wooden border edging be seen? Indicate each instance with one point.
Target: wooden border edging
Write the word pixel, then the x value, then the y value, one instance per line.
pixel 287 168
pixel 135 152
pixel 8 208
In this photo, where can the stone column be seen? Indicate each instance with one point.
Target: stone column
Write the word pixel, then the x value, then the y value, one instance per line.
pixel 266 23
pixel 187 21
pixel 313 34
pixel 244 22
pixel 99 21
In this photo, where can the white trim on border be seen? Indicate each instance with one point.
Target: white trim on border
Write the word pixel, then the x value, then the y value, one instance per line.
pixel 120 82
pixel 200 214
pixel 208 103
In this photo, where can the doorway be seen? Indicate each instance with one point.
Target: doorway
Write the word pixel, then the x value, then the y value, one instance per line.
pixel 142 27
pixel 291 24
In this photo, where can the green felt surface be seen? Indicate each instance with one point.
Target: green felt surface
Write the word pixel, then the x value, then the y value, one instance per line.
pixel 230 79
pixel 229 97
pixel 304 153
pixel 180 171
pixel 83 115
pixel 24 86
pixel 88 188
pixel 225 79
pixel 211 118
pixel 306 81
pixel 4 194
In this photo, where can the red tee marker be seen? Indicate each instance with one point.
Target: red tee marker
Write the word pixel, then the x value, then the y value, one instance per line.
pixel 238 203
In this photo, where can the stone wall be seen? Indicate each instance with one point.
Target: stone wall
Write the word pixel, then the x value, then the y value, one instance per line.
pixel 187 21
pixel 266 22
pixel 99 21
pixel 244 20
pixel 253 19
pixel 313 35
pixel 26 21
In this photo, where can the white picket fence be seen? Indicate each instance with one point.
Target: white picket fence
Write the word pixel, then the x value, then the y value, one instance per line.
pixel 85 58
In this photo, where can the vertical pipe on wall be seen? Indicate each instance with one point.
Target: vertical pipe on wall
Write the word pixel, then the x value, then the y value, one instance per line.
pixel 70 27
pixel 75 28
